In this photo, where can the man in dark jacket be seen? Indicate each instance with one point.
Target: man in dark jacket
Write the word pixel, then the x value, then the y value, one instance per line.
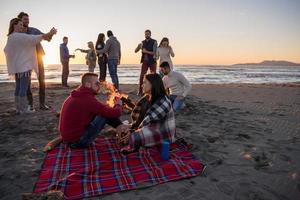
pixel 148 60
pixel 83 117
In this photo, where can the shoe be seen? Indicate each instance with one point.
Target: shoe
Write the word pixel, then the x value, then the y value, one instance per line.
pixel 44 107
pixel 31 108
pixel 65 86
pixel 24 108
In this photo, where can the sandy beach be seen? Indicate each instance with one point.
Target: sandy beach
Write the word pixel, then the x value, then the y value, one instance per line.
pixel 247 135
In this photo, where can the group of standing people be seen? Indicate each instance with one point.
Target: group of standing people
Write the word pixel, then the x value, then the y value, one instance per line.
pixel 109 56
pixel 24 57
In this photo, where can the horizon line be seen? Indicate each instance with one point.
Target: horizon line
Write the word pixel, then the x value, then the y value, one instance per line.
pixel 295 62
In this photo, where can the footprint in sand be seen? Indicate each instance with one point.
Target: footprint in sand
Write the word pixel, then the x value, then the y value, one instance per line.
pixel 212 139
pixel 251 193
pixel 242 135
pixel 261 161
pixel 226 188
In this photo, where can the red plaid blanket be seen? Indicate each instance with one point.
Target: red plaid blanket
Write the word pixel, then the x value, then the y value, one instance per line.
pixel 101 169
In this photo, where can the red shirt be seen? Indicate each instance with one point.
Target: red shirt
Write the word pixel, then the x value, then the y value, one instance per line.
pixel 78 111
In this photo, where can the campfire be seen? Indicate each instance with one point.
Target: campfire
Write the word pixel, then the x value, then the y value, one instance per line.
pixel 109 88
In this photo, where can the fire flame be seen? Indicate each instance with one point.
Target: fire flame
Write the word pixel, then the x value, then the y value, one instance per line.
pixel 113 93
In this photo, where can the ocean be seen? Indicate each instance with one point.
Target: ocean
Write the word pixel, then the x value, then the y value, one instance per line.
pixel 196 74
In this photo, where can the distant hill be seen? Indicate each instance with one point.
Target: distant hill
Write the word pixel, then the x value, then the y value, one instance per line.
pixel 272 63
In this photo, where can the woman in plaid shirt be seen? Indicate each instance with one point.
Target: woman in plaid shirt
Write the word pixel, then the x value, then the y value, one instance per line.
pixel 153 117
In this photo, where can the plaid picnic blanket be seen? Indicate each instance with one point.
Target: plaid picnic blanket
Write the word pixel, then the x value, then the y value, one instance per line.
pixel 101 169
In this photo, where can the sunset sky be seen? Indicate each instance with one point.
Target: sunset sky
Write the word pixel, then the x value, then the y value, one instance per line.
pixel 200 31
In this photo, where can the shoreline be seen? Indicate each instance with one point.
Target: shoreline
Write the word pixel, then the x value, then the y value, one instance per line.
pixel 73 84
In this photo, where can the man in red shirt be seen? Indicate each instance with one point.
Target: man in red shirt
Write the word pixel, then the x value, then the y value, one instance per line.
pixel 83 117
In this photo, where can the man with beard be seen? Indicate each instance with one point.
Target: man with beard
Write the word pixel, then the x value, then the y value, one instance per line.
pixel 148 60
pixel 83 117
pixel 24 17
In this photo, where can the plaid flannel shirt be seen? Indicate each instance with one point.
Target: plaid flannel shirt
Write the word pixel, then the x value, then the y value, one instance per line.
pixel 139 111
pixel 157 125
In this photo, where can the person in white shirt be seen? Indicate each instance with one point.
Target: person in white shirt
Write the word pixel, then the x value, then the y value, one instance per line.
pixel 21 59
pixel 164 52
pixel 177 84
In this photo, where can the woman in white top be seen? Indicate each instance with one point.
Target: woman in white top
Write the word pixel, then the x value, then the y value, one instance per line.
pixel 164 52
pixel 21 59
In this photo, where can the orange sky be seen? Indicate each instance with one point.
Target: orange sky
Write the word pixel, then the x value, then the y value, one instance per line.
pixel 200 32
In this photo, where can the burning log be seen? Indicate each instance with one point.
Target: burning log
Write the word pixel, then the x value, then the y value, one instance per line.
pixel 127 103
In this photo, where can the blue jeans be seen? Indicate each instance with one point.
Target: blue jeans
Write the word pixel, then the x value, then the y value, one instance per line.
pixel 22 83
pixel 112 68
pixel 93 130
pixel 177 104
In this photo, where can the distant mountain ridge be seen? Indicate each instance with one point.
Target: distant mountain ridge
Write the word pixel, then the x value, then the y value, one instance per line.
pixel 272 63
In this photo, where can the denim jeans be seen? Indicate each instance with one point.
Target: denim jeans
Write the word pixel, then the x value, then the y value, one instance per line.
pixel 22 82
pixel 112 68
pixel 93 130
pixel 177 104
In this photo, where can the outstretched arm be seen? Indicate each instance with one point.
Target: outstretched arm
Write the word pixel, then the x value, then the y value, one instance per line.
pixel 82 50
pixel 139 47
pixel 48 36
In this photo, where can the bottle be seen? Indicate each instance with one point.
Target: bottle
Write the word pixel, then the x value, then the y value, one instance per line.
pixel 165 150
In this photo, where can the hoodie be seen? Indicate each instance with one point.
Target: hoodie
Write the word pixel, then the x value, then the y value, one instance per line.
pixel 79 109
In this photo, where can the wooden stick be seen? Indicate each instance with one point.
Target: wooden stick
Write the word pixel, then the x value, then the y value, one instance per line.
pixel 52 144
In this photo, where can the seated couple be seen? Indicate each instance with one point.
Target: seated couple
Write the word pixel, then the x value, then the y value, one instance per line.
pixel 83 116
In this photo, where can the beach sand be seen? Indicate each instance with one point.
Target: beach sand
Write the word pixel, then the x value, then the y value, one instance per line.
pixel 247 135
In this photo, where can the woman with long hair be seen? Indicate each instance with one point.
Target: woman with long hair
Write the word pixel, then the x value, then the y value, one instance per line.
pixel 90 57
pixel 102 58
pixel 21 59
pixel 165 52
pixel 153 118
